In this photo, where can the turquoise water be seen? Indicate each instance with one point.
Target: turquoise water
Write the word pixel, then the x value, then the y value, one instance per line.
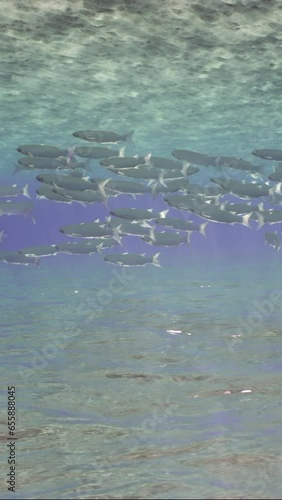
pixel 142 382
pixel 111 405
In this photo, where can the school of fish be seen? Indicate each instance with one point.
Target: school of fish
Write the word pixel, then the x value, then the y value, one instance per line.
pixel 67 176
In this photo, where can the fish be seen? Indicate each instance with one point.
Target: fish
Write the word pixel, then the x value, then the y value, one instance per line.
pixel 39 251
pixel 162 163
pixel 276 175
pixel 217 215
pixel 2 236
pixel 16 207
pixel 128 227
pixel 90 230
pixel 69 182
pixel 236 163
pixel 29 162
pixel 41 150
pixel 47 193
pixel 273 240
pixel 122 162
pixel 133 214
pixel 151 173
pixel 130 259
pixel 127 187
pixel 18 258
pixel 241 188
pixel 193 157
pixel 180 224
pixel 104 136
pixel 171 185
pixel 86 246
pixel 268 154
pixel 210 191
pixel 192 203
pixel 87 196
pixel 166 239
pixel 267 216
pixel 240 208
pixel 96 153
pixel 8 191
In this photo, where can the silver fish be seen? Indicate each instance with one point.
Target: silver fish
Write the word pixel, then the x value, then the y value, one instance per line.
pixel 16 208
pixel 193 157
pixel 18 258
pixel 127 227
pixel 133 213
pixel 268 154
pixel 122 162
pixel 90 230
pixel 127 259
pixel 42 151
pixel 47 193
pixel 180 224
pixel 273 240
pixel 103 136
pixel 96 153
pixel 8 191
pixel 39 251
pixel 165 239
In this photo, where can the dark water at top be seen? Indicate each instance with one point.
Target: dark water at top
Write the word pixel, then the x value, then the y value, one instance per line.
pixel 142 382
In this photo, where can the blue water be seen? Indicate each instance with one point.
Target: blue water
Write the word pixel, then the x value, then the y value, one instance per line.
pixel 142 382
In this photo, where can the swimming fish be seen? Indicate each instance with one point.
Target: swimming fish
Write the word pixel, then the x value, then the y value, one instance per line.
pixel 8 191
pixel 166 239
pixel 16 207
pixel 268 154
pixel 130 259
pixel 42 150
pixel 133 213
pixel 96 153
pixel 18 258
pixel 103 136
pixel 273 240
pixel 39 251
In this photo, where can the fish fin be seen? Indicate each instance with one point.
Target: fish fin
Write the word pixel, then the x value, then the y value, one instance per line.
pixel 145 224
pixel 222 206
pixel 155 261
pixel 246 218
pixel 163 213
pixel 25 191
pixel 161 179
pixel 151 181
pixel 108 219
pixel 129 137
pixel 100 247
pixel 276 189
pixel 203 228
pixel 154 189
pixel 37 261
pixel 147 159
pixel 101 187
pixel 152 234
pixel 260 220
pixel 71 152
pixel 188 237
pixel 116 234
pixel 121 151
pixel 261 206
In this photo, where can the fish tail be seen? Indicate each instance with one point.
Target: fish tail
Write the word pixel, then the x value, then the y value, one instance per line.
pixel 246 219
pixel 25 191
pixel 155 261
pixel 121 152
pixel 260 220
pixel 129 137
pixel 203 229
